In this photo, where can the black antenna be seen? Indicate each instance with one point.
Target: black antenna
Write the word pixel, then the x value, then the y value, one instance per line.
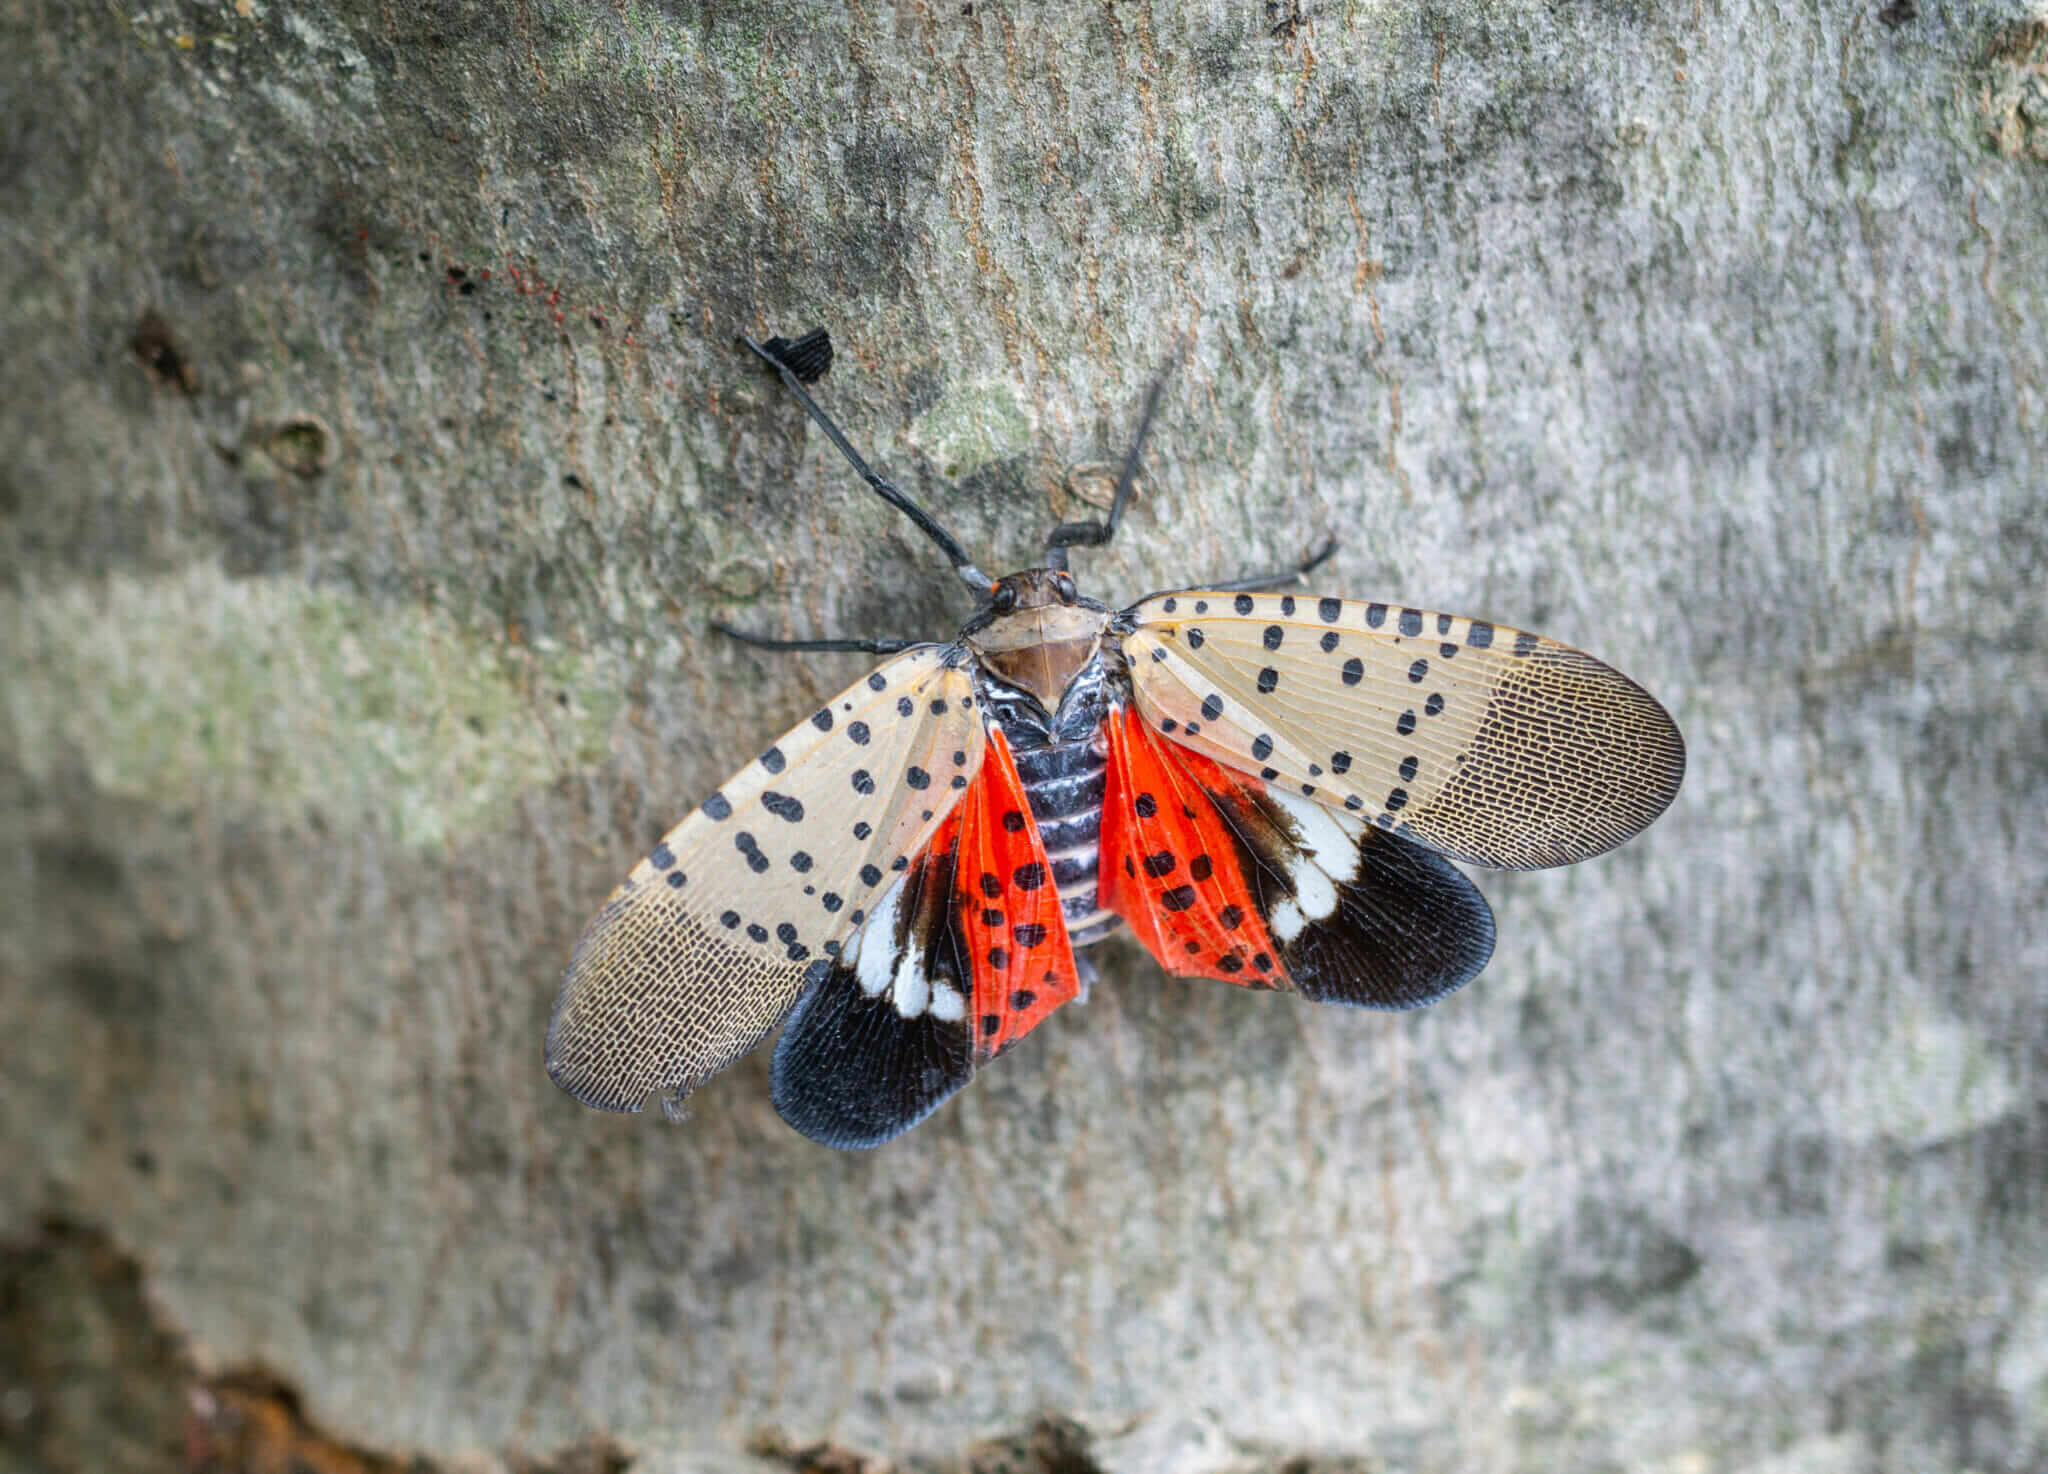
pixel 1096 534
pixel 813 352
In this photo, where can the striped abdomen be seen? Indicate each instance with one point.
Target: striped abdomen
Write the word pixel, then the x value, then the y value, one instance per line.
pixel 1063 782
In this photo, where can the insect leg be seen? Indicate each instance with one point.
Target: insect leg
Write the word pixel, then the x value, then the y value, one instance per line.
pixel 867 647
pixel 1280 577
pixel 808 360
pixel 1277 579
pixel 1095 534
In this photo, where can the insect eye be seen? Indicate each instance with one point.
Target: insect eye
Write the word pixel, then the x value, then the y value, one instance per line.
pixel 1004 599
pixel 1063 585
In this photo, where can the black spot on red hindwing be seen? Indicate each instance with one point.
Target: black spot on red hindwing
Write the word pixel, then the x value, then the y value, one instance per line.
pixel 1013 822
pixel 1028 877
pixel 1028 933
pixel 990 885
pixel 1159 863
pixel 1145 806
pixel 1179 898
pixel 1232 917
pixel 1201 867
pixel 998 959
pixel 1022 999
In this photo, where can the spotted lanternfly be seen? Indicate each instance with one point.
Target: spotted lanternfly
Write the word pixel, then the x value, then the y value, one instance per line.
pixel 1266 787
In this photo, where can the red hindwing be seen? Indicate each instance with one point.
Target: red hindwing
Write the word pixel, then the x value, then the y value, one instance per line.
pixel 1010 922
pixel 1171 865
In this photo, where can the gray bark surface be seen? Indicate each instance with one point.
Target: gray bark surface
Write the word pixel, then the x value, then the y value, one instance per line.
pixel 376 453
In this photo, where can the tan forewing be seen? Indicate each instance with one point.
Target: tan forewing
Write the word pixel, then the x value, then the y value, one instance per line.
pixel 1485 743
pixel 704 948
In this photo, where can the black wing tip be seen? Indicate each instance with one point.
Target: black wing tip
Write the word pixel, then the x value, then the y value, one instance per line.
pixel 828 1122
pixel 1410 931
pixel 851 1073
pixel 807 357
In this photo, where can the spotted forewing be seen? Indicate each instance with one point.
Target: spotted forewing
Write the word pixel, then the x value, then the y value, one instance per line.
pixel 1483 743
pixel 706 945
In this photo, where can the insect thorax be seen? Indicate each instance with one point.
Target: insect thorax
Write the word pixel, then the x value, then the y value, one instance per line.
pixel 1062 759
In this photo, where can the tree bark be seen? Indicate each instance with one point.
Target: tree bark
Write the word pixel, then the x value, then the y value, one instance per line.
pixel 377 453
